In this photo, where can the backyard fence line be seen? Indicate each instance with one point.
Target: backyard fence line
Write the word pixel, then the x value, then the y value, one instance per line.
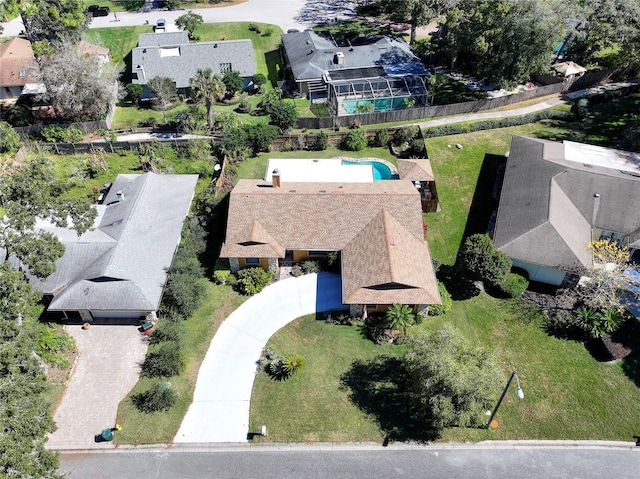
pixel 421 113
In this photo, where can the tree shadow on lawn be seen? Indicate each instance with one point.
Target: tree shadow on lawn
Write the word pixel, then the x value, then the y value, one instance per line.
pixel 631 367
pixel 274 66
pixel 380 388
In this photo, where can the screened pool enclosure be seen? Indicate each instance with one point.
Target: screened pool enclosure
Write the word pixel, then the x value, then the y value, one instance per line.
pixel 366 95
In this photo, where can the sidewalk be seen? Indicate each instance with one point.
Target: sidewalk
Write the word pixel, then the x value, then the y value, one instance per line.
pixel 490 115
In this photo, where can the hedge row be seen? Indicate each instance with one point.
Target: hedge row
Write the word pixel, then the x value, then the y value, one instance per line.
pixel 460 128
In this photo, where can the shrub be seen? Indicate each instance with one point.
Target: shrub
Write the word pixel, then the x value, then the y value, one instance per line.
pixel 405 134
pixel 355 140
pixel 417 147
pixel 165 361
pixel 381 139
pixel 268 100
pixel 310 266
pixel 457 129
pixel 365 107
pixel 167 330
pixel 447 302
pixel 252 280
pixel 284 115
pixel 342 319
pixel 259 79
pixel 292 364
pixel 321 142
pixel 233 82
pixel 483 261
pixel 598 323
pixel 244 106
pixel 400 316
pixel 55 134
pixel 260 137
pixel 374 328
pixel 221 276
pixel 159 397
pixel 19 115
pixel 513 285
pixel 9 139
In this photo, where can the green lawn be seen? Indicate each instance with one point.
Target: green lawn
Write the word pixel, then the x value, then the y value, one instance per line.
pixel 161 427
pixel 568 394
pixel 312 406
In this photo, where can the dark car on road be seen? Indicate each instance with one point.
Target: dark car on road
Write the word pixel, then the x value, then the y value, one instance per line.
pixel 100 12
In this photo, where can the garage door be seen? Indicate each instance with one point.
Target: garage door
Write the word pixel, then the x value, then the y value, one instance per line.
pixel 117 314
pixel 543 274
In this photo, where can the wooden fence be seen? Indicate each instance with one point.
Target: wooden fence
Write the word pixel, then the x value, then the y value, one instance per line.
pixel 420 113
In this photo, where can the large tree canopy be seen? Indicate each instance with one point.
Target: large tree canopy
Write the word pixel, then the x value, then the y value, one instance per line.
pixel 54 19
pixel 25 420
pixel 503 41
pixel 417 12
pixel 454 380
pixel 77 84
pixel 34 191
pixel 604 31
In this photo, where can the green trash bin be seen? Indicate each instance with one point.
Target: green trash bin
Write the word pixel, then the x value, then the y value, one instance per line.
pixel 107 435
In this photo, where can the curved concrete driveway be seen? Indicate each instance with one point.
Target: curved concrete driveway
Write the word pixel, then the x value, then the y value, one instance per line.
pixel 220 408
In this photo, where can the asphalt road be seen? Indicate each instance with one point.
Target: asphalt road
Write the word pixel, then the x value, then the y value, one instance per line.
pixel 302 462
pixel 287 14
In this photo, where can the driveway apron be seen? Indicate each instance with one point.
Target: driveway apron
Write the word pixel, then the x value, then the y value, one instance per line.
pixel 107 367
pixel 220 408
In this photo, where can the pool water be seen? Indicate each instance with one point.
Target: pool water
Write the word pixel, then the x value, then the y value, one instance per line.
pixel 380 170
pixel 380 104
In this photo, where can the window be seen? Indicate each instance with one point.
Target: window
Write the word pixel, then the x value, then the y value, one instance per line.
pixel 252 260
pixel 225 67
pixel 318 254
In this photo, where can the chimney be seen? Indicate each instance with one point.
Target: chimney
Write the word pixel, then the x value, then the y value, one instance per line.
pixel 275 178
pixel 119 196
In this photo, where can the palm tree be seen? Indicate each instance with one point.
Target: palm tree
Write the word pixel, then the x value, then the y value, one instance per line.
pixel 399 316
pixel 207 87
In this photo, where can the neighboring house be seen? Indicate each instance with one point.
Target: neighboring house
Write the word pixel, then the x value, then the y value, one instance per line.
pixel 378 73
pixel 376 226
pixel 171 55
pixel 17 64
pixel 91 49
pixel 558 197
pixel 118 270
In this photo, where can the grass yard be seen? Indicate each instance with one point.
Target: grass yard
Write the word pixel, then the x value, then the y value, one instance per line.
pixel 312 406
pixel 568 394
pixel 161 427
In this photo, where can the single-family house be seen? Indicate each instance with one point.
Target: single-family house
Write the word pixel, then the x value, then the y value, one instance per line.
pixel 172 55
pixel 118 269
pixel 17 64
pixel 558 197
pixel 378 73
pixel 376 226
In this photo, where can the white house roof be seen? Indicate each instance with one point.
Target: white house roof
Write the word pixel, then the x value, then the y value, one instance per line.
pixel 318 170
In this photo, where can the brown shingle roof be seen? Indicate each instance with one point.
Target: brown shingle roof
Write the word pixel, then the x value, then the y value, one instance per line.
pixel 415 170
pixel 16 55
pixel 264 222
pixel 384 264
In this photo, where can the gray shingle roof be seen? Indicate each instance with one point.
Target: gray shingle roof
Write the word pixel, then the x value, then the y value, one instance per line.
pixel 310 55
pixel 171 55
pixel 549 205
pixel 122 264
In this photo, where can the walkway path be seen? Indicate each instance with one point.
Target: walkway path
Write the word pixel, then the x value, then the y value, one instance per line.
pixel 107 368
pixel 220 408
pixel 286 14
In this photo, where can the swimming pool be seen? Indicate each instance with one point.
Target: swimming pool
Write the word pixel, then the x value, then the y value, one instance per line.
pixel 380 170
pixel 379 104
